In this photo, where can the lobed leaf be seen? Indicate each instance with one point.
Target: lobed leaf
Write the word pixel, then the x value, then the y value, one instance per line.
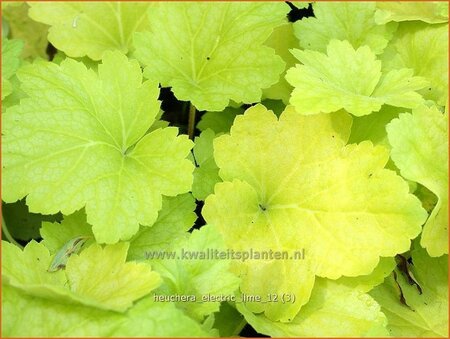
pixel 349 79
pixel 351 21
pixel 80 140
pixel 420 150
pixel 211 53
pixel 91 28
pixel 302 187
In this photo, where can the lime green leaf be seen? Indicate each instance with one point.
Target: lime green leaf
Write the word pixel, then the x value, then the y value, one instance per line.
pixel 89 63
pixel 27 270
pixel 349 79
pixel 25 316
pixel 55 235
pixel 28 267
pixel 16 92
pixel 234 209
pixel 428 198
pixel 97 277
pixel 33 33
pixel 21 223
pixel 82 28
pixel 282 40
pixel 351 21
pixel 219 122
pixel 11 50
pixel 276 106
pixel 424 49
pixel 210 53
pixel 420 150
pixel 373 126
pixel 426 314
pixel 304 187
pixel 175 218
pixel 300 4
pixel 206 174
pixel 102 275
pixel 79 140
pixel 229 321
pixel 334 310
pixel 367 282
pixel 191 274
pixel 429 11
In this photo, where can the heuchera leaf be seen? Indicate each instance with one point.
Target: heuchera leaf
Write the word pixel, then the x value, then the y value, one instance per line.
pixel 373 126
pixel 98 277
pixel 351 21
pixel 429 11
pixel 29 267
pixel 91 28
pixel 219 122
pixel 424 49
pixel 229 321
pixel 29 316
pixel 34 34
pixel 426 312
pixel 349 79
pixel 282 40
pixel 195 275
pixel 55 235
pixel 206 174
pixel 334 310
pixel 367 282
pixel 175 219
pixel 420 150
pixel 79 140
pixel 210 53
pixel 101 274
pixel 11 50
pixel 304 187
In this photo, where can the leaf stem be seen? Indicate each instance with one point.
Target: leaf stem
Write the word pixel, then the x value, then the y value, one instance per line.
pixel 191 122
pixel 8 235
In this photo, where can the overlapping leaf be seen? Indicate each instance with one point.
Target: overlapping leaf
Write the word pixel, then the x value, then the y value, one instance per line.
pixel 373 126
pixel 24 315
pixel 334 310
pixel 79 140
pixel 424 49
pixel 175 219
pixel 211 53
pixel 420 150
pixel 11 50
pixel 194 272
pixel 91 28
pixel 282 40
pixel 365 283
pixel 302 187
pixel 349 79
pixel 424 312
pixel 219 122
pixel 427 11
pixel 98 277
pixel 351 21
pixel 33 33
pixel 206 174
pixel 55 235
pixel 102 275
